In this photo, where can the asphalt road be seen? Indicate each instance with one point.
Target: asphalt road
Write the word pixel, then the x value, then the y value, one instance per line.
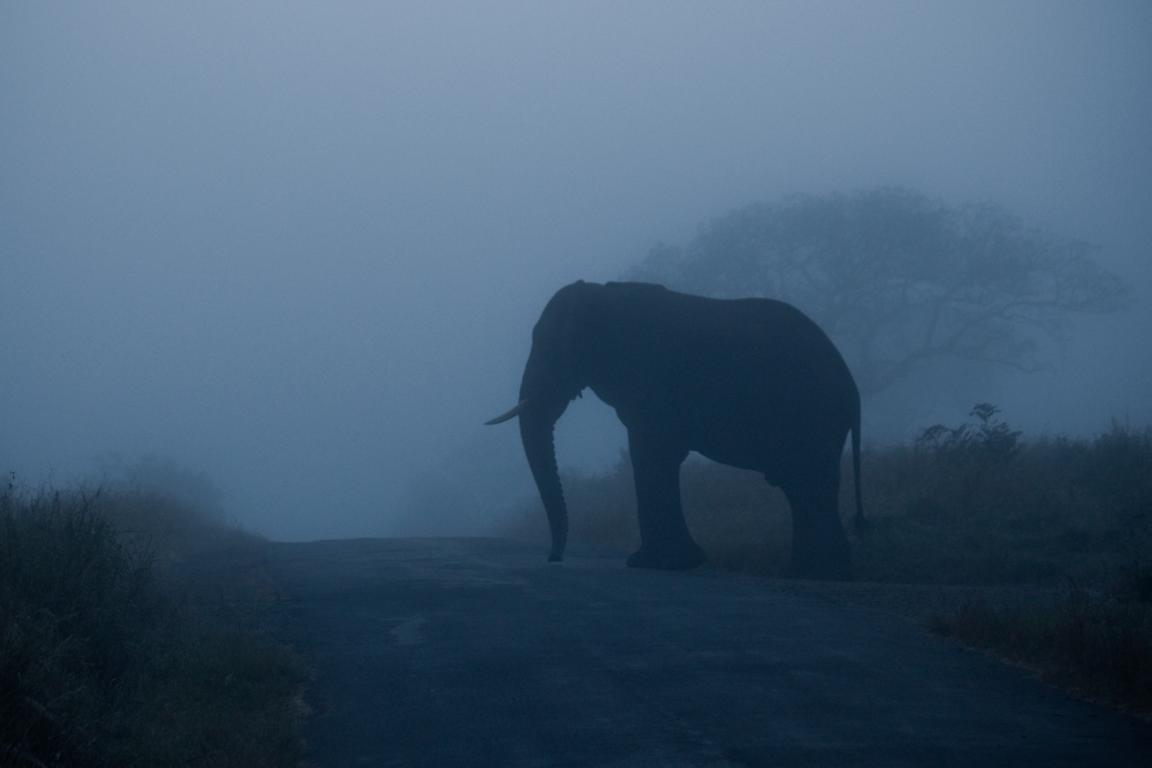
pixel 474 652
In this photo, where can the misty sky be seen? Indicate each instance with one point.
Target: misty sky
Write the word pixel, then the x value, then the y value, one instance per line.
pixel 300 246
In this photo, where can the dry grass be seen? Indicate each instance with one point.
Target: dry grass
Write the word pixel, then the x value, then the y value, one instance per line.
pixel 102 659
pixel 1099 645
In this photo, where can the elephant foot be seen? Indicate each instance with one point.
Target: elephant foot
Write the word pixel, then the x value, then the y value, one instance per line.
pixel 679 559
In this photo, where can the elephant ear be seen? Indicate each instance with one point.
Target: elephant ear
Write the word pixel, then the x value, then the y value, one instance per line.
pixel 555 366
pixel 571 322
pixel 579 332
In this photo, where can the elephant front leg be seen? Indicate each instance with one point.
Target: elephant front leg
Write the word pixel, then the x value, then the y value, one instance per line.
pixel 664 538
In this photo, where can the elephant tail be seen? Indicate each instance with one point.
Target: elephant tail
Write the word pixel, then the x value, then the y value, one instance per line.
pixel 860 523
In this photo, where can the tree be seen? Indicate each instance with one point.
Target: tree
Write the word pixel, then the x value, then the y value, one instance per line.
pixel 898 280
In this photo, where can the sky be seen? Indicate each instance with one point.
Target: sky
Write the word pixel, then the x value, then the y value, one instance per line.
pixel 300 246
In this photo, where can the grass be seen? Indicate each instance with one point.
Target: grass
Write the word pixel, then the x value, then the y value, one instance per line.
pixel 105 659
pixel 1098 645
pixel 1040 550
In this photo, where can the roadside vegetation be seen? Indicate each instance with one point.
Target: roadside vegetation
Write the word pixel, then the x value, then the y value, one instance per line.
pixel 1037 549
pixel 112 655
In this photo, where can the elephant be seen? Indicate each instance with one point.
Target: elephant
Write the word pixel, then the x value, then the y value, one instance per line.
pixel 753 383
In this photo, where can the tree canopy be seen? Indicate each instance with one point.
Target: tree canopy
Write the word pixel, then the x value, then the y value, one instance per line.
pixel 898 280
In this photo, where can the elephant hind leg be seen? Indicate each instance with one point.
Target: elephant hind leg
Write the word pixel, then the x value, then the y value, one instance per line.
pixel 819 547
pixel 665 542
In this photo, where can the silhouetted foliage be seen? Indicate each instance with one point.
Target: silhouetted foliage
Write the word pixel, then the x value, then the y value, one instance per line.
pixel 986 440
pixel 105 661
pixel 898 280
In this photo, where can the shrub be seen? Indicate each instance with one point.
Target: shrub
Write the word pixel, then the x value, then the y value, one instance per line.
pixel 102 663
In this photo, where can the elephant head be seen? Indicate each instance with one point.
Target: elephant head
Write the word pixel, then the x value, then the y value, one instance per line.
pixel 553 377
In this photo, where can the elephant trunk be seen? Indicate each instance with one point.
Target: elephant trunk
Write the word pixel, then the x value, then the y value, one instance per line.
pixel 536 431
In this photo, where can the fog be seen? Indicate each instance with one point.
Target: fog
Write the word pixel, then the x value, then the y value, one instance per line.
pixel 300 247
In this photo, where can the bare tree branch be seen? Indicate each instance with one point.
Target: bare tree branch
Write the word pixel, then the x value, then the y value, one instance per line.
pixel 900 281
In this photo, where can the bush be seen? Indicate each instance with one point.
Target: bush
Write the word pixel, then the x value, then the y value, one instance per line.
pixel 102 663
pixel 986 508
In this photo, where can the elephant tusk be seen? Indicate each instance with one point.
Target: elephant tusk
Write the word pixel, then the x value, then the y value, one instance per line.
pixel 505 416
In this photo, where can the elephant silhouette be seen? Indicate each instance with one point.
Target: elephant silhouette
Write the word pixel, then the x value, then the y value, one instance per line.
pixel 753 383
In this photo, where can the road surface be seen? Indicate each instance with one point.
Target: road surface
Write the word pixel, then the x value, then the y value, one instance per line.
pixel 475 652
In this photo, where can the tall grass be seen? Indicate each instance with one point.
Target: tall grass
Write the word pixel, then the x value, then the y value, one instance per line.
pixel 1098 644
pixel 103 663
pixel 975 504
